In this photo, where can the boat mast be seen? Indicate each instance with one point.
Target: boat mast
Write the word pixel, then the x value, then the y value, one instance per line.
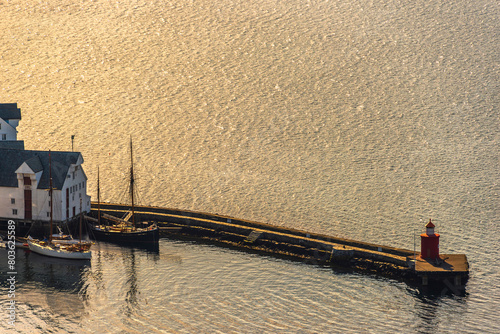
pixel 50 196
pixel 98 199
pixel 132 182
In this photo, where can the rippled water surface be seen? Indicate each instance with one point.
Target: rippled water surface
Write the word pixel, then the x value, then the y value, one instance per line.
pixel 198 288
pixel 358 119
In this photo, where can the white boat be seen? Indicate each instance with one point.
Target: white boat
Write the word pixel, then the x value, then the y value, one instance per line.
pixel 69 251
pixel 66 239
pixel 19 243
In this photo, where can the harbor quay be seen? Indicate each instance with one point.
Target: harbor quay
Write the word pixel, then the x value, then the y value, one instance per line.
pixel 426 268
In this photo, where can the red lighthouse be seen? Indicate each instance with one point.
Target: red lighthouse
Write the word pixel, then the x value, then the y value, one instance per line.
pixel 429 243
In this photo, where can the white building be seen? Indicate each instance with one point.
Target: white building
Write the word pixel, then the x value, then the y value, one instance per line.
pixel 10 116
pixel 25 183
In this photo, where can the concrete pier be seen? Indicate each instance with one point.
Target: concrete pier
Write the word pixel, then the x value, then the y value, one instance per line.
pixel 451 271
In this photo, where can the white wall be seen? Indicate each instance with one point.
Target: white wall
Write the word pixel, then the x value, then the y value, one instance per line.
pixel 77 185
pixel 6 206
pixel 7 131
pixel 76 182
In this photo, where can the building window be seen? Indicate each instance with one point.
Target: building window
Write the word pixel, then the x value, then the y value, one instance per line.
pixel 12 201
pixel 48 214
pixel 14 212
pixel 4 136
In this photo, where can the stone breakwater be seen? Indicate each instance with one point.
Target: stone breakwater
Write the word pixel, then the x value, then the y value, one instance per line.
pixel 299 245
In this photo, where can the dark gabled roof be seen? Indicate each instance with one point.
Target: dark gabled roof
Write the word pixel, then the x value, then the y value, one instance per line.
pixel 9 111
pixel 12 144
pixel 35 164
pixel 11 160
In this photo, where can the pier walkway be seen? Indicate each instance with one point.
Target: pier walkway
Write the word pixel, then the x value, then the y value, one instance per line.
pixel 452 270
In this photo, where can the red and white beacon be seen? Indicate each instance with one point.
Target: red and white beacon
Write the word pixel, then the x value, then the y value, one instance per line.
pixel 429 243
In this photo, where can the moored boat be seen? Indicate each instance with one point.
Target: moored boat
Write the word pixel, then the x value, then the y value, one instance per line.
pixel 18 242
pixel 62 251
pixel 67 239
pixel 123 231
pixel 126 234
pixel 21 243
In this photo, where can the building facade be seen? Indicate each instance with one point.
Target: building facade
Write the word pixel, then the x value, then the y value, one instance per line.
pixel 25 179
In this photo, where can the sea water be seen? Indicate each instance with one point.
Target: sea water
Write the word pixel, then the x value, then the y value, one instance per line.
pixel 356 119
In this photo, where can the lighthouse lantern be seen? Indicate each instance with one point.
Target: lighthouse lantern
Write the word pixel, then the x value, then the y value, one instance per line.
pixel 430 228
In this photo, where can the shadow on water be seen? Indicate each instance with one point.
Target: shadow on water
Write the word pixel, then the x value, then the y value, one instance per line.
pixel 432 304
pixel 49 273
pixel 57 284
pixel 150 248
pixel 131 303
pixel 130 257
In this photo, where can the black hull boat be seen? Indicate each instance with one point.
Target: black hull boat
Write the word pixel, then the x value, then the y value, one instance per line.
pixel 126 235
pixel 121 230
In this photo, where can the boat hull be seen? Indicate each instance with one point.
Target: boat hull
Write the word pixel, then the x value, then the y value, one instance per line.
pixel 58 252
pixel 131 237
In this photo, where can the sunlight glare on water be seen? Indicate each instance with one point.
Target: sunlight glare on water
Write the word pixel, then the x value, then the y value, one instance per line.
pixel 356 119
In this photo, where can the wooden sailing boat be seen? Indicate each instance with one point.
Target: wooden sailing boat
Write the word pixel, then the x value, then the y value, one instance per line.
pixel 120 230
pixel 70 250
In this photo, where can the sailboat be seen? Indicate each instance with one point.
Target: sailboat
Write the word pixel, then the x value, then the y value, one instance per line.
pixel 120 230
pixel 67 239
pixel 51 247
